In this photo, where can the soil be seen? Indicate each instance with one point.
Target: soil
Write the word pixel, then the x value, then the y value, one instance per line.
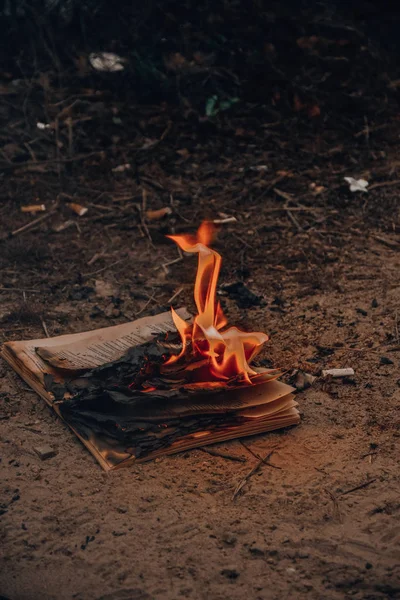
pixel 324 261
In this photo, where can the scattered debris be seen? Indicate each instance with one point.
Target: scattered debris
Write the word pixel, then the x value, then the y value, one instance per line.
pixel 256 168
pixel 225 220
pixel 122 168
pixel 254 470
pixel 45 452
pixel 43 126
pixel 62 226
pixel 33 208
pixel 243 297
pixel 357 185
pixel 316 190
pixel 106 62
pixel 78 208
pixel 336 373
pixel 303 380
pixel 155 215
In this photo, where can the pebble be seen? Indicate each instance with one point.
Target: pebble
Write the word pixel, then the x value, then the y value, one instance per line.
pixel 386 361
pixel 45 452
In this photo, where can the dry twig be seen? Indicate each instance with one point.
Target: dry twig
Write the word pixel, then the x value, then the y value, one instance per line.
pixel 223 455
pixel 254 470
pixel 358 487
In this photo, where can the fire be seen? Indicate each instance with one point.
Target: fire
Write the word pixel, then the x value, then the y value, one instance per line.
pixel 227 352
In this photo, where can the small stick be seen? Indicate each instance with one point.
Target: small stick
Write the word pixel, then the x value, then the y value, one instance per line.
pixel 45 328
pixel 145 306
pixel 358 487
pixel 293 219
pixel 254 470
pixel 284 195
pixel 172 262
pixel 257 456
pixel 380 184
pixel 142 213
pixel 386 242
pixel 31 224
pixel 3 289
pixel 175 295
pixel 223 455
pixel 104 268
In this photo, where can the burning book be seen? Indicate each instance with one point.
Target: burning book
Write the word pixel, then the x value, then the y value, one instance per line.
pixel 162 384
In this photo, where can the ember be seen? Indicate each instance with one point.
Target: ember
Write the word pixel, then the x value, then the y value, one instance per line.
pixel 228 351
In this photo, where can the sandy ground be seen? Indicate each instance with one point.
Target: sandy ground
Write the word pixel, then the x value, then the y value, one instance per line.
pixel 171 528
pixel 322 521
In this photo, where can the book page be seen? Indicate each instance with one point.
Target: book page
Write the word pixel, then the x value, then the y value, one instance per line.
pixel 90 348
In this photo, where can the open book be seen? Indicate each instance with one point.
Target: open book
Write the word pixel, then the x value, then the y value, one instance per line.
pixel 152 425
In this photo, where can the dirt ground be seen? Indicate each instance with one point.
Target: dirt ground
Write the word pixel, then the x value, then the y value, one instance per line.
pixel 325 523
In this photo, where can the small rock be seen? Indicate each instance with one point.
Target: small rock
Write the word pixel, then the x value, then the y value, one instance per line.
pixel 362 312
pixel 291 570
pixel 45 452
pixel 374 303
pixel 386 361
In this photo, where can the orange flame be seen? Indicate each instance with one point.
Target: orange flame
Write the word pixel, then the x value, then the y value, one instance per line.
pixel 228 351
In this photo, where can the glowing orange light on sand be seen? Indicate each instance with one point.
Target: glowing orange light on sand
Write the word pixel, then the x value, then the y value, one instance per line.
pixel 228 351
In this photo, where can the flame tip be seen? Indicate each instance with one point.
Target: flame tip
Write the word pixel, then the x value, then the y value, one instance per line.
pixel 229 351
